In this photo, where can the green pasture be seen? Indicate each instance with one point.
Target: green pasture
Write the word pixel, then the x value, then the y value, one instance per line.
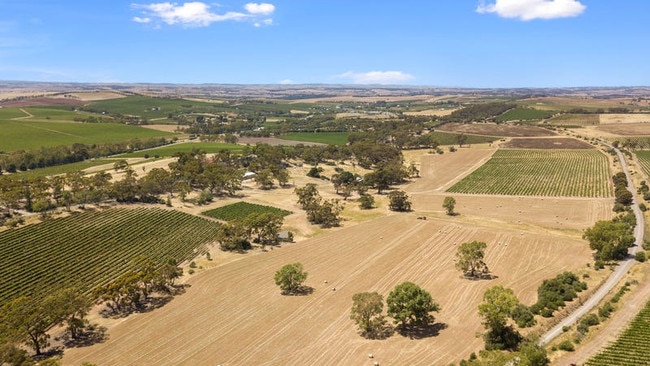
pixel 28 134
pixel 10 113
pixel 556 173
pixel 329 138
pixel 170 150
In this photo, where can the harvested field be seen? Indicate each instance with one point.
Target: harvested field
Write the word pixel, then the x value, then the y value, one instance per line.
pixel 432 112
pixel 626 129
pixel 235 315
pixel 606 119
pixel 491 129
pixel 547 143
pixel 574 120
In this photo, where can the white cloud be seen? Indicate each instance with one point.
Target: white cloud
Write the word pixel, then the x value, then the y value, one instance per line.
pixel 377 77
pixel 141 20
pixel 198 14
pixel 286 81
pixel 263 8
pixel 533 9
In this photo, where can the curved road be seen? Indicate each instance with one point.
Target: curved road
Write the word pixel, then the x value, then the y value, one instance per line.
pixel 623 267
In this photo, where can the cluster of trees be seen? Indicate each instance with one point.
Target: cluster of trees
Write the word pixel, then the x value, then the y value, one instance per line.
pixel 553 293
pixel 260 227
pixel 320 211
pixel 132 290
pixel 27 319
pixel 623 197
pixel 399 201
pixel 408 304
pixel 611 238
pixel 24 160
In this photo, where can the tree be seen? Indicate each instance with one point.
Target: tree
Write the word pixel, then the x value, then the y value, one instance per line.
pixel 449 204
pixel 366 201
pixel 499 303
pixel 265 226
pixel 234 237
pixel 462 139
pixel 469 259
pixel 610 239
pixel 290 278
pixel 307 195
pixel 399 201
pixel 410 305
pixel 366 313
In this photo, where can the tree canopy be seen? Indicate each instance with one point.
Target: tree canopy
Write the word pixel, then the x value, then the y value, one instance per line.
pixel 409 304
pixel 367 308
pixel 610 239
pixel 469 259
pixel 290 278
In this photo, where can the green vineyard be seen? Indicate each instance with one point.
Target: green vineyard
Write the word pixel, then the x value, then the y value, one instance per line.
pixel 631 348
pixel 643 157
pixel 555 173
pixel 92 248
pixel 241 210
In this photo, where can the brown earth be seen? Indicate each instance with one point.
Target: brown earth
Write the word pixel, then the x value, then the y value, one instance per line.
pixel 547 143
pixel 233 313
pixel 492 129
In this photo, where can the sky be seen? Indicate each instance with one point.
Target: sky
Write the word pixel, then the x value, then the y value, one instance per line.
pixel 439 43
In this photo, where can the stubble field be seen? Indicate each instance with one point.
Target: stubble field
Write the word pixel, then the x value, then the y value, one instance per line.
pixel 233 314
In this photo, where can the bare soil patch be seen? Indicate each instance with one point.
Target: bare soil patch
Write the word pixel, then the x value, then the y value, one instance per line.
pixel 547 143
pixel 626 129
pixel 432 112
pixel 492 129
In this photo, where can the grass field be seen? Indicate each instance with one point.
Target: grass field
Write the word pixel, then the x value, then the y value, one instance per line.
pixel 524 114
pixel 92 248
pixel 329 138
pixel 559 173
pixel 9 113
pixel 631 348
pixel 241 210
pixel 27 134
pixel 170 150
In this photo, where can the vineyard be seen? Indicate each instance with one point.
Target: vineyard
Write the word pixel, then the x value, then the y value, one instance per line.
pixel 631 348
pixel 241 210
pixel 643 156
pixel 92 248
pixel 635 142
pixel 524 114
pixel 558 173
pixel 577 120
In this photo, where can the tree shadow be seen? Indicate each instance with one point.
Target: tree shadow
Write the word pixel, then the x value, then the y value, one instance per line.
pixel 300 291
pixel 93 334
pixel 421 331
pixel 481 276
pixel 385 331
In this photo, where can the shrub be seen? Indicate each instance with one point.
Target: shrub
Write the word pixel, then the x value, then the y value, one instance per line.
pixel 523 316
pixel 606 310
pixel 366 202
pixel 640 256
pixel 315 172
pixel 566 346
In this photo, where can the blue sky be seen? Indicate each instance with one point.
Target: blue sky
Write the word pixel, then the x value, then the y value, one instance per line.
pixel 448 43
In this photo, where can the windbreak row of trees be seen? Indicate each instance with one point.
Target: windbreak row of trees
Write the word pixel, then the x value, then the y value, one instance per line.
pixel 24 160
